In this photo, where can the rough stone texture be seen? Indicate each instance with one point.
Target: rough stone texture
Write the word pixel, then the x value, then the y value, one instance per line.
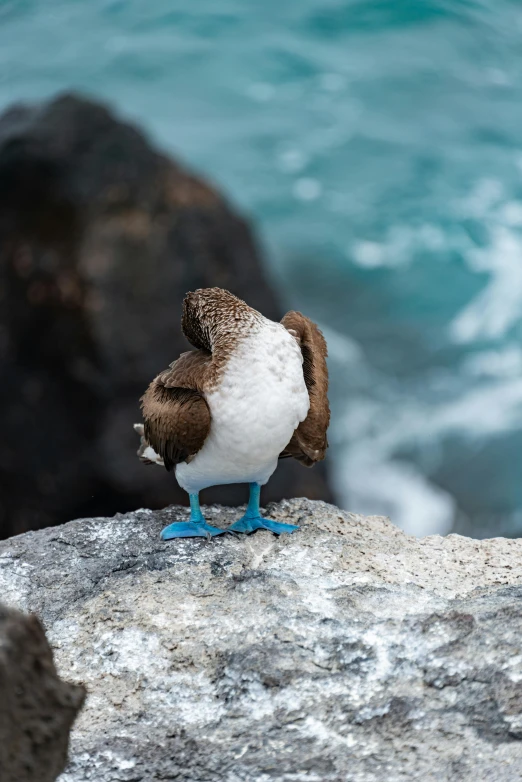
pixel 347 651
pixel 100 238
pixel 37 709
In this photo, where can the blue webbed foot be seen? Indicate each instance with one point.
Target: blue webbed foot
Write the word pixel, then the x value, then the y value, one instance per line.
pixel 190 529
pixel 197 527
pixel 249 524
pixel 253 520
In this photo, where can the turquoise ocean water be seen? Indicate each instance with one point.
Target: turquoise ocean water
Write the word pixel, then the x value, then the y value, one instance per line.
pixel 377 144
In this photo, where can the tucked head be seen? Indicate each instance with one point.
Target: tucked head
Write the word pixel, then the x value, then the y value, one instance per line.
pixel 212 314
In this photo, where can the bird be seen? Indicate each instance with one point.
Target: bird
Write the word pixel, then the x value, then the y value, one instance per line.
pixel 252 392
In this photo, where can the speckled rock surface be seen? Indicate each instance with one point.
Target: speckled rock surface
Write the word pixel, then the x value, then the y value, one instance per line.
pixel 37 708
pixel 347 651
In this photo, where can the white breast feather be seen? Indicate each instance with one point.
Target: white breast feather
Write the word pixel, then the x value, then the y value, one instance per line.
pixel 260 401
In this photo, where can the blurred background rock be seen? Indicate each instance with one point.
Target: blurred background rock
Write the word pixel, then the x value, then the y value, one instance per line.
pixel 376 146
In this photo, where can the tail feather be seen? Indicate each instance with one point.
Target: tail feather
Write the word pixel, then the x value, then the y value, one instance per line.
pixel 145 452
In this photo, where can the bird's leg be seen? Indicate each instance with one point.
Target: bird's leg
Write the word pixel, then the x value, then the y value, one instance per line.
pixel 253 520
pixel 197 527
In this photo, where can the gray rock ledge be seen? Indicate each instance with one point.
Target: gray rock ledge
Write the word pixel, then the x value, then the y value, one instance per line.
pixel 345 652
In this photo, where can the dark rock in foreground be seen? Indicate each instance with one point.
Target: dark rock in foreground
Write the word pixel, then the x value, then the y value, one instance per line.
pixel 100 238
pixel 37 709
pixel 347 651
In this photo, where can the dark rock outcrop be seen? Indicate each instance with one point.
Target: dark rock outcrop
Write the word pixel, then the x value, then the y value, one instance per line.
pixel 37 708
pixel 100 238
pixel 346 651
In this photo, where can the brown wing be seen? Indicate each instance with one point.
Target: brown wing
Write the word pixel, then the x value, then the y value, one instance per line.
pixel 309 442
pixel 176 415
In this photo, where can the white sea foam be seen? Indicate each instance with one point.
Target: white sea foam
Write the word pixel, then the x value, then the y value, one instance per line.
pixel 480 401
pixel 399 246
pixel 369 476
pixel 484 197
pixel 291 161
pixel 395 489
pixel 307 189
pixel 498 307
pixel 505 362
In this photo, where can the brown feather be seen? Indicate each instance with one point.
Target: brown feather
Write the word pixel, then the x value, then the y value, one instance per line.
pixel 176 416
pixel 194 369
pixel 309 442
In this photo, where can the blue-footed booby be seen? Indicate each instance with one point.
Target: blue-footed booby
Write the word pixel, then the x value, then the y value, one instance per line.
pixel 253 391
